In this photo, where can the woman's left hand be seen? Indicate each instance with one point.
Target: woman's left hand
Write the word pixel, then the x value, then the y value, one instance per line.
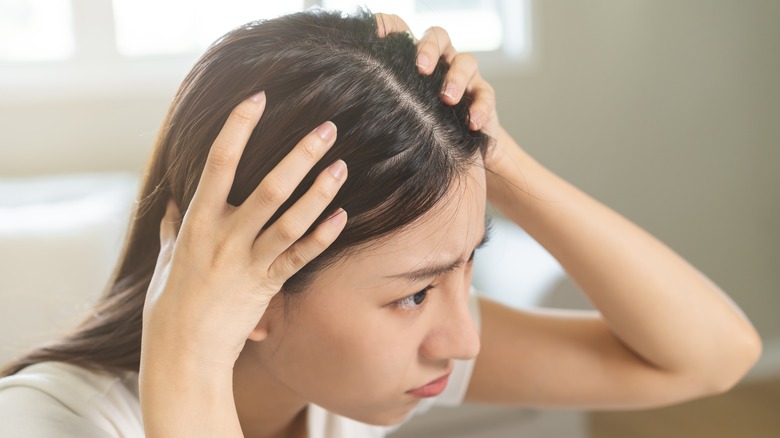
pixel 462 78
pixel 625 354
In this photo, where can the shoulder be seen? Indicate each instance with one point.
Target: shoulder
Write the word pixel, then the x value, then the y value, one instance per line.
pixel 55 398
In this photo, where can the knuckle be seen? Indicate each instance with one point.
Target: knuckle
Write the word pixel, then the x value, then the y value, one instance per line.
pixel 220 157
pixel 296 258
pixel 321 240
pixel 381 25
pixel 485 96
pixel 271 193
pixel 288 230
pixel 243 116
pixel 429 48
pixel 467 58
pixel 275 276
pixel 440 32
pixel 325 192
pixel 480 102
pixel 399 24
pixel 196 225
pixel 308 149
pixel 457 77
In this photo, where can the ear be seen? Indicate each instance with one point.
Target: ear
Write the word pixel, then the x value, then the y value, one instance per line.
pixel 260 332
pixel 267 321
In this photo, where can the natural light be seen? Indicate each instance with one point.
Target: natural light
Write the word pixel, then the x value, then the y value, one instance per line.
pixel 60 48
pixel 35 30
pixel 43 30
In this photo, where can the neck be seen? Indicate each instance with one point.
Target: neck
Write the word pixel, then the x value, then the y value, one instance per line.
pixel 266 408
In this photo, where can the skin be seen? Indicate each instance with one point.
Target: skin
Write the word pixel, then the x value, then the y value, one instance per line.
pixel 390 349
pixel 663 332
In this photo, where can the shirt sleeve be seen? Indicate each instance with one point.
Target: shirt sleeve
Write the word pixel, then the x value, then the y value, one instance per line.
pixel 30 413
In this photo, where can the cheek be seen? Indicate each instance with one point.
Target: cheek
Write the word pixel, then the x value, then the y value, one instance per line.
pixel 356 348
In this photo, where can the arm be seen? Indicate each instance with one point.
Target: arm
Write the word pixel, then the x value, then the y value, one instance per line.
pixel 665 333
pixel 216 275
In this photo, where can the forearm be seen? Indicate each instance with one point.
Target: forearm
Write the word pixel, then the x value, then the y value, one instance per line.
pixel 655 302
pixel 181 397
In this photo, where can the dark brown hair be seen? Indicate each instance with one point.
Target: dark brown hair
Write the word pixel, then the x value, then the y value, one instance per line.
pixel 403 145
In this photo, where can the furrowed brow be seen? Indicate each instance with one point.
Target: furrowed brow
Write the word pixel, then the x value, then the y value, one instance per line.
pixel 433 271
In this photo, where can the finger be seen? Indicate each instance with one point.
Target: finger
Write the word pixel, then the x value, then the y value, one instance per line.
pixel 434 44
pixel 459 76
pixel 280 182
pixel 309 247
pixel 389 23
pixel 220 169
pixel 483 107
pixel 286 230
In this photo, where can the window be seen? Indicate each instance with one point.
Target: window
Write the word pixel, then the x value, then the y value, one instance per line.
pixel 35 30
pixel 185 26
pixel 77 46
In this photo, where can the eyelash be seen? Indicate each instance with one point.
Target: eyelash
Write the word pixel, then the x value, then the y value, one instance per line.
pixel 402 303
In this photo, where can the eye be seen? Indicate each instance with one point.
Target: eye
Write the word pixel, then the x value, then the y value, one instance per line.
pixel 414 301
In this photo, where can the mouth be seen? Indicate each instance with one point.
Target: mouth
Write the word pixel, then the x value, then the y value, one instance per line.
pixel 430 389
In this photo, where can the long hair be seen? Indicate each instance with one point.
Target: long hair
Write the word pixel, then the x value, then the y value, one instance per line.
pixel 403 145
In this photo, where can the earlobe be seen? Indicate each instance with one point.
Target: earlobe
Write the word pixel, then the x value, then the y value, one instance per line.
pixel 272 319
pixel 259 333
pixel 263 327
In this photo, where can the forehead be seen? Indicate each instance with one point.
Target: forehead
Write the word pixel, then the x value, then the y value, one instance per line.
pixel 447 232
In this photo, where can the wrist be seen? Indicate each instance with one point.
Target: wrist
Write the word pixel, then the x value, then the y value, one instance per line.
pixel 518 185
pixel 179 353
pixel 181 399
pixel 507 168
pixel 203 342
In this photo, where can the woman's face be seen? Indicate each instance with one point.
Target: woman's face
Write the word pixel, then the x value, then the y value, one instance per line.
pixel 363 334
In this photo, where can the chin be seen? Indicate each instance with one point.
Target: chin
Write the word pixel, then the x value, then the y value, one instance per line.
pixel 389 417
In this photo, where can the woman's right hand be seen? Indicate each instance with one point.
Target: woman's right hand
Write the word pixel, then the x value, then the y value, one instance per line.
pixel 217 269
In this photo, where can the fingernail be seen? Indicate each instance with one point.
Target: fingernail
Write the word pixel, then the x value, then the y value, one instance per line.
pixel 257 97
pixel 423 62
pixel 450 90
pixel 338 217
pixel 337 169
pixel 326 131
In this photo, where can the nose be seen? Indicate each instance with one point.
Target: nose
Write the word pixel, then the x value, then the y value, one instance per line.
pixel 455 334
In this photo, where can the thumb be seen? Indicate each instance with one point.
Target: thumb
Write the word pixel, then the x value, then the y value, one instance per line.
pixel 169 229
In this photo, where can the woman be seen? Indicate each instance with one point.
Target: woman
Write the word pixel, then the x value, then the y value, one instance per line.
pixel 319 282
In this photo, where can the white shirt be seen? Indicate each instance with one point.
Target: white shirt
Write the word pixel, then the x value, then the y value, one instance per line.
pixel 51 399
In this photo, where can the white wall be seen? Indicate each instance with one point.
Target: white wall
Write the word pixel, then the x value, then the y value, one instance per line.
pixel 666 111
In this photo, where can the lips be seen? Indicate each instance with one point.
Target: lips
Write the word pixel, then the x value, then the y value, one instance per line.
pixel 431 389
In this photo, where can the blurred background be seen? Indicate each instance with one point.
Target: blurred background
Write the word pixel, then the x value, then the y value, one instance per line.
pixel 667 111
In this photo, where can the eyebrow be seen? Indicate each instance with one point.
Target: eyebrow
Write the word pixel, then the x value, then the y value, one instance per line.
pixel 433 271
